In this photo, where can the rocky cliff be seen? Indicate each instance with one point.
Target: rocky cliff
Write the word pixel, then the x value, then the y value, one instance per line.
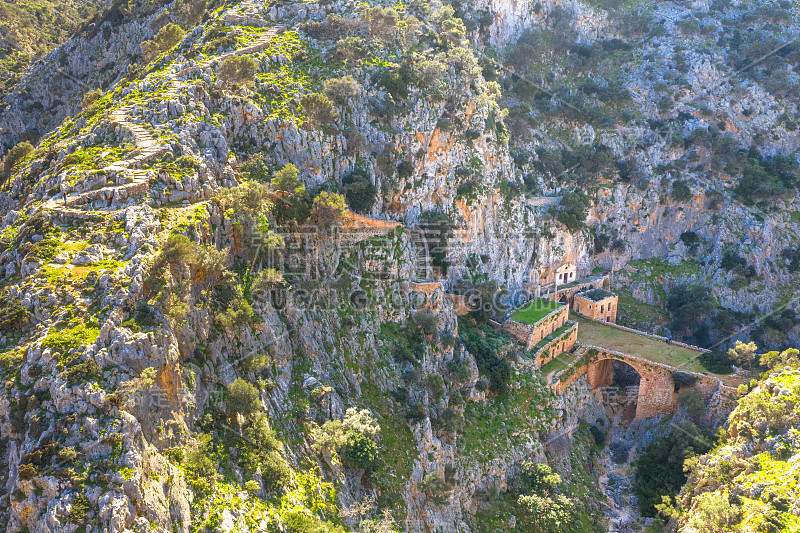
pixel 198 335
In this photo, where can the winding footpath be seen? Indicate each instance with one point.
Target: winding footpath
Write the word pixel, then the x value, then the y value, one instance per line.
pixel 80 205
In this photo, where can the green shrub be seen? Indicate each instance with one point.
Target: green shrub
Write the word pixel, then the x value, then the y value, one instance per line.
pixel 177 251
pixel 328 210
pixel 681 191
pixel 297 522
pixel 237 70
pixel 573 209
pixel 187 162
pixel 258 450
pixel 360 451
pixel 286 179
pixel 659 467
pixel 342 90
pixel 13 315
pixel 350 48
pixel 359 191
pixel 255 168
pixel 319 109
pixel 90 97
pixel 166 38
pixel 436 488
pixel 15 155
pixel 396 81
pixel 252 486
pixel 79 509
pixel 405 169
pixel 200 465
pixel 243 398
pixel 82 372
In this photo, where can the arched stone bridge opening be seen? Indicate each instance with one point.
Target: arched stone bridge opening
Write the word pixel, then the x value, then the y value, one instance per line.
pixel 657 393
pixel 656 388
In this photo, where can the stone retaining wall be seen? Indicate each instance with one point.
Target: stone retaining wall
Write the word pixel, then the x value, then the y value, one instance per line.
pixel 563 343
pixel 531 334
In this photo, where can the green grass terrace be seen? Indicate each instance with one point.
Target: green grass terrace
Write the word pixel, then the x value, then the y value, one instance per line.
pixel 535 311
pixel 606 336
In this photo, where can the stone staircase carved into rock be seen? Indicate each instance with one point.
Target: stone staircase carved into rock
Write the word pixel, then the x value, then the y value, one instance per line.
pixel 147 146
pixel 260 44
pixel 422 266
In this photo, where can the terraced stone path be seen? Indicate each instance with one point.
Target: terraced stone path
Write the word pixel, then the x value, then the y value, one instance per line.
pixel 147 147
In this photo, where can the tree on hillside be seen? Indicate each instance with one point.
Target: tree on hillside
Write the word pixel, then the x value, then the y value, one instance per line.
pixel 237 71
pixel 359 190
pixel 744 354
pixel 15 155
pixel 166 38
pixel 342 90
pixel 713 514
pixel 286 179
pixel 318 109
pixel 545 507
pixel 90 97
pixel 243 398
pixel 572 210
pixel 328 210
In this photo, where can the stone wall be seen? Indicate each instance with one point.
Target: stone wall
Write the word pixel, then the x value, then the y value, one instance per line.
pixel 565 294
pixel 531 334
pixel 546 326
pixel 604 310
pixel 657 391
pixel 563 343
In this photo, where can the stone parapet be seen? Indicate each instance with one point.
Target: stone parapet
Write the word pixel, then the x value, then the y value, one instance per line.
pixel 562 343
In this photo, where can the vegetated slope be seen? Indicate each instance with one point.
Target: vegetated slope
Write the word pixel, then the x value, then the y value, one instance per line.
pixel 184 324
pixel 183 342
pixel 676 122
pixel 30 29
pixel 750 483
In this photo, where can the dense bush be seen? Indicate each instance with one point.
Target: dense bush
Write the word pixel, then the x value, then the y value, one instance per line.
pixel 681 191
pixel 255 168
pixel 200 465
pixel 166 38
pixel 318 108
pixel 243 398
pixel 237 70
pixel 427 322
pixel 573 209
pixel 286 179
pixel 717 362
pixel 360 191
pixel 350 48
pixel 342 90
pixel 15 155
pixel 436 488
pixel 328 210
pixel 360 451
pixel 541 500
pixel 690 306
pixel 13 315
pixel 396 80
pixel 498 370
pixel 90 97
pixel 659 467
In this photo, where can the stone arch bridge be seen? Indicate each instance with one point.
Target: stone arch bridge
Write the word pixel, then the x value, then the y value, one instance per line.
pixel 658 392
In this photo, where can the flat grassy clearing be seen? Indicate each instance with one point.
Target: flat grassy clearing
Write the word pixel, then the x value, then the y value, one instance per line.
pixel 535 311
pixel 557 363
pixel 605 336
